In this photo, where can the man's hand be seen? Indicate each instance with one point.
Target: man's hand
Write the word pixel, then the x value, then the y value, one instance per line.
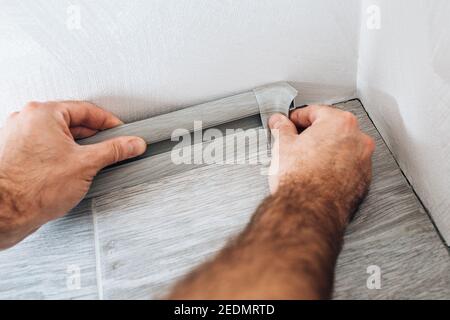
pixel 289 248
pixel 331 151
pixel 44 173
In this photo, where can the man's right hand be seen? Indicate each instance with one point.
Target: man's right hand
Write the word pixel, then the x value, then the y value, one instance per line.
pixel 289 248
pixel 330 152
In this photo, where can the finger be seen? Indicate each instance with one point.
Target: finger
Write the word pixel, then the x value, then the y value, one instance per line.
pixel 282 124
pixel 86 114
pixel 369 145
pixel 305 117
pixel 115 150
pixel 14 114
pixel 82 132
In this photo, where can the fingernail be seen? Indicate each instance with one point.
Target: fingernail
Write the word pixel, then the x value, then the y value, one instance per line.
pixel 136 147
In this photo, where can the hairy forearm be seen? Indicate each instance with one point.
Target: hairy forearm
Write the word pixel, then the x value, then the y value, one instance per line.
pixel 12 227
pixel 6 216
pixel 287 251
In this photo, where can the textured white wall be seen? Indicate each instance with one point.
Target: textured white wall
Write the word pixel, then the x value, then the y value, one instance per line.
pixel 404 83
pixel 137 57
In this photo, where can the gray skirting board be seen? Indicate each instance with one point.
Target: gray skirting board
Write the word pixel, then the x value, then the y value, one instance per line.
pixel 263 101
pixel 136 241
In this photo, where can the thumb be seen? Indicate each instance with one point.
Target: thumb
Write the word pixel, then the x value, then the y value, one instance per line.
pixel 115 150
pixel 282 124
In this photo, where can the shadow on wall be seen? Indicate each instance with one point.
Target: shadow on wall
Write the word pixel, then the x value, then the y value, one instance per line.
pixel 441 62
pixel 131 108
pixel 134 108
pixel 385 113
pixel 309 93
pixel 439 39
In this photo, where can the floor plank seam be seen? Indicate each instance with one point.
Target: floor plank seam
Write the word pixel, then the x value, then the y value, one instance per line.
pixel 98 263
pixel 141 254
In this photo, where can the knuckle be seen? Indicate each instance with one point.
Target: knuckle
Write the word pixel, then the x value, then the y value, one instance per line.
pixel 85 161
pixel 325 106
pixel 370 143
pixel 35 109
pixel 315 106
pixel 13 115
pixel 116 152
pixel 349 119
pixel 323 110
pixel 32 105
pixel 320 107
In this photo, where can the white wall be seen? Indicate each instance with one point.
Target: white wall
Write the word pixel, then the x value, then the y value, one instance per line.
pixel 404 83
pixel 137 57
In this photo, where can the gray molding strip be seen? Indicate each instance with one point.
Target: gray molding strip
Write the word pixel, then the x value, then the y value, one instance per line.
pixel 264 100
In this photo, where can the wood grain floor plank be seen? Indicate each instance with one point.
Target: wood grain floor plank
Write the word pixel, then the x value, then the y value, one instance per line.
pixel 391 231
pixel 176 226
pixel 151 234
pixel 46 264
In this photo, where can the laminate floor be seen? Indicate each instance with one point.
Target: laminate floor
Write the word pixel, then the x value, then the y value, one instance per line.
pixel 137 241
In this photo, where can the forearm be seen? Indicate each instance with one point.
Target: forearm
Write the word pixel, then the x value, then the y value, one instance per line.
pixel 288 251
pixel 6 217
pixel 12 226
